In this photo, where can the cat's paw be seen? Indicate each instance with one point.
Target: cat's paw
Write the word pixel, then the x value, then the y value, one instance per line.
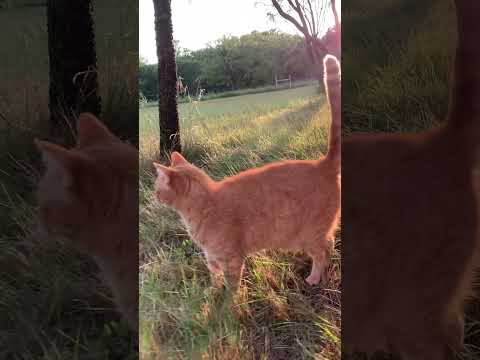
pixel 217 280
pixel 313 279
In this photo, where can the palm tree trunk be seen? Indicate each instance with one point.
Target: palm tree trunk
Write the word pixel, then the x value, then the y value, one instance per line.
pixel 73 61
pixel 167 78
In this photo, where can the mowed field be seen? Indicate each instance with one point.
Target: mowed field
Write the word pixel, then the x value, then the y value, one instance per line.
pixel 224 107
pixel 276 314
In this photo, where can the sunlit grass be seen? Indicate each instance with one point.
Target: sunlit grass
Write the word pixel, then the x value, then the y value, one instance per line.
pixel 221 108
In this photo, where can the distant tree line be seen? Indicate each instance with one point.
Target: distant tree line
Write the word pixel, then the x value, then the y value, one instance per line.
pixel 233 63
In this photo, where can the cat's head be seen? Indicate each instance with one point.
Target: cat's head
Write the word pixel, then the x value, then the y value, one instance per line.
pixel 68 184
pixel 180 183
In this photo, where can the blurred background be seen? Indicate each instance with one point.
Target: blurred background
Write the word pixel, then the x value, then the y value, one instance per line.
pixel 53 305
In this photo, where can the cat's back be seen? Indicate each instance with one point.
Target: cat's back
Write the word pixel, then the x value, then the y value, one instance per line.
pixel 278 203
pixel 406 174
pixel 279 175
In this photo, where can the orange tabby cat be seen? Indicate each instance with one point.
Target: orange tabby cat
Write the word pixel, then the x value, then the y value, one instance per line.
pixel 89 195
pixel 288 204
pixel 411 223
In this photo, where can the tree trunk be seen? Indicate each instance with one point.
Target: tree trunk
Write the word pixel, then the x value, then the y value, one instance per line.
pixel 167 78
pixel 73 65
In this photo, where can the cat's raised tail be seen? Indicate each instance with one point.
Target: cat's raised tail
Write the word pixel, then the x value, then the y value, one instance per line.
pixel 333 87
pixel 464 111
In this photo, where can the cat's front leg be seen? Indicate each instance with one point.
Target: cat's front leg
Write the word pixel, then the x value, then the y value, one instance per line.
pixel 215 271
pixel 233 269
pixel 213 266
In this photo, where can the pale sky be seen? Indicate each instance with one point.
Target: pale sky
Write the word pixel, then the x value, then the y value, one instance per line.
pixel 199 22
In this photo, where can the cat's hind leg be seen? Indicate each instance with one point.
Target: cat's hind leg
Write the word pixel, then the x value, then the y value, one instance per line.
pixel 320 258
pixel 319 262
pixel 318 266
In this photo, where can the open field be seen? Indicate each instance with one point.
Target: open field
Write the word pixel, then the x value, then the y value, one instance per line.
pixel 249 91
pixel 224 107
pixel 276 314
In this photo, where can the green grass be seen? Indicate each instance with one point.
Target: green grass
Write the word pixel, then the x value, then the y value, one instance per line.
pixel 257 90
pixel 24 59
pixel 220 108
pixel 275 315
pixel 53 305
pixel 397 65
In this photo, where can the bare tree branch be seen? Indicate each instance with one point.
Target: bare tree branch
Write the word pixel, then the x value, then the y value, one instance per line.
pixel 302 18
pixel 310 27
pixel 308 17
pixel 314 28
pixel 292 5
pixel 288 17
pixel 307 20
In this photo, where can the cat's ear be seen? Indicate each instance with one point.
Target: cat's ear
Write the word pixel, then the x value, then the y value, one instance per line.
pixel 164 175
pixel 91 131
pixel 59 160
pixel 177 159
